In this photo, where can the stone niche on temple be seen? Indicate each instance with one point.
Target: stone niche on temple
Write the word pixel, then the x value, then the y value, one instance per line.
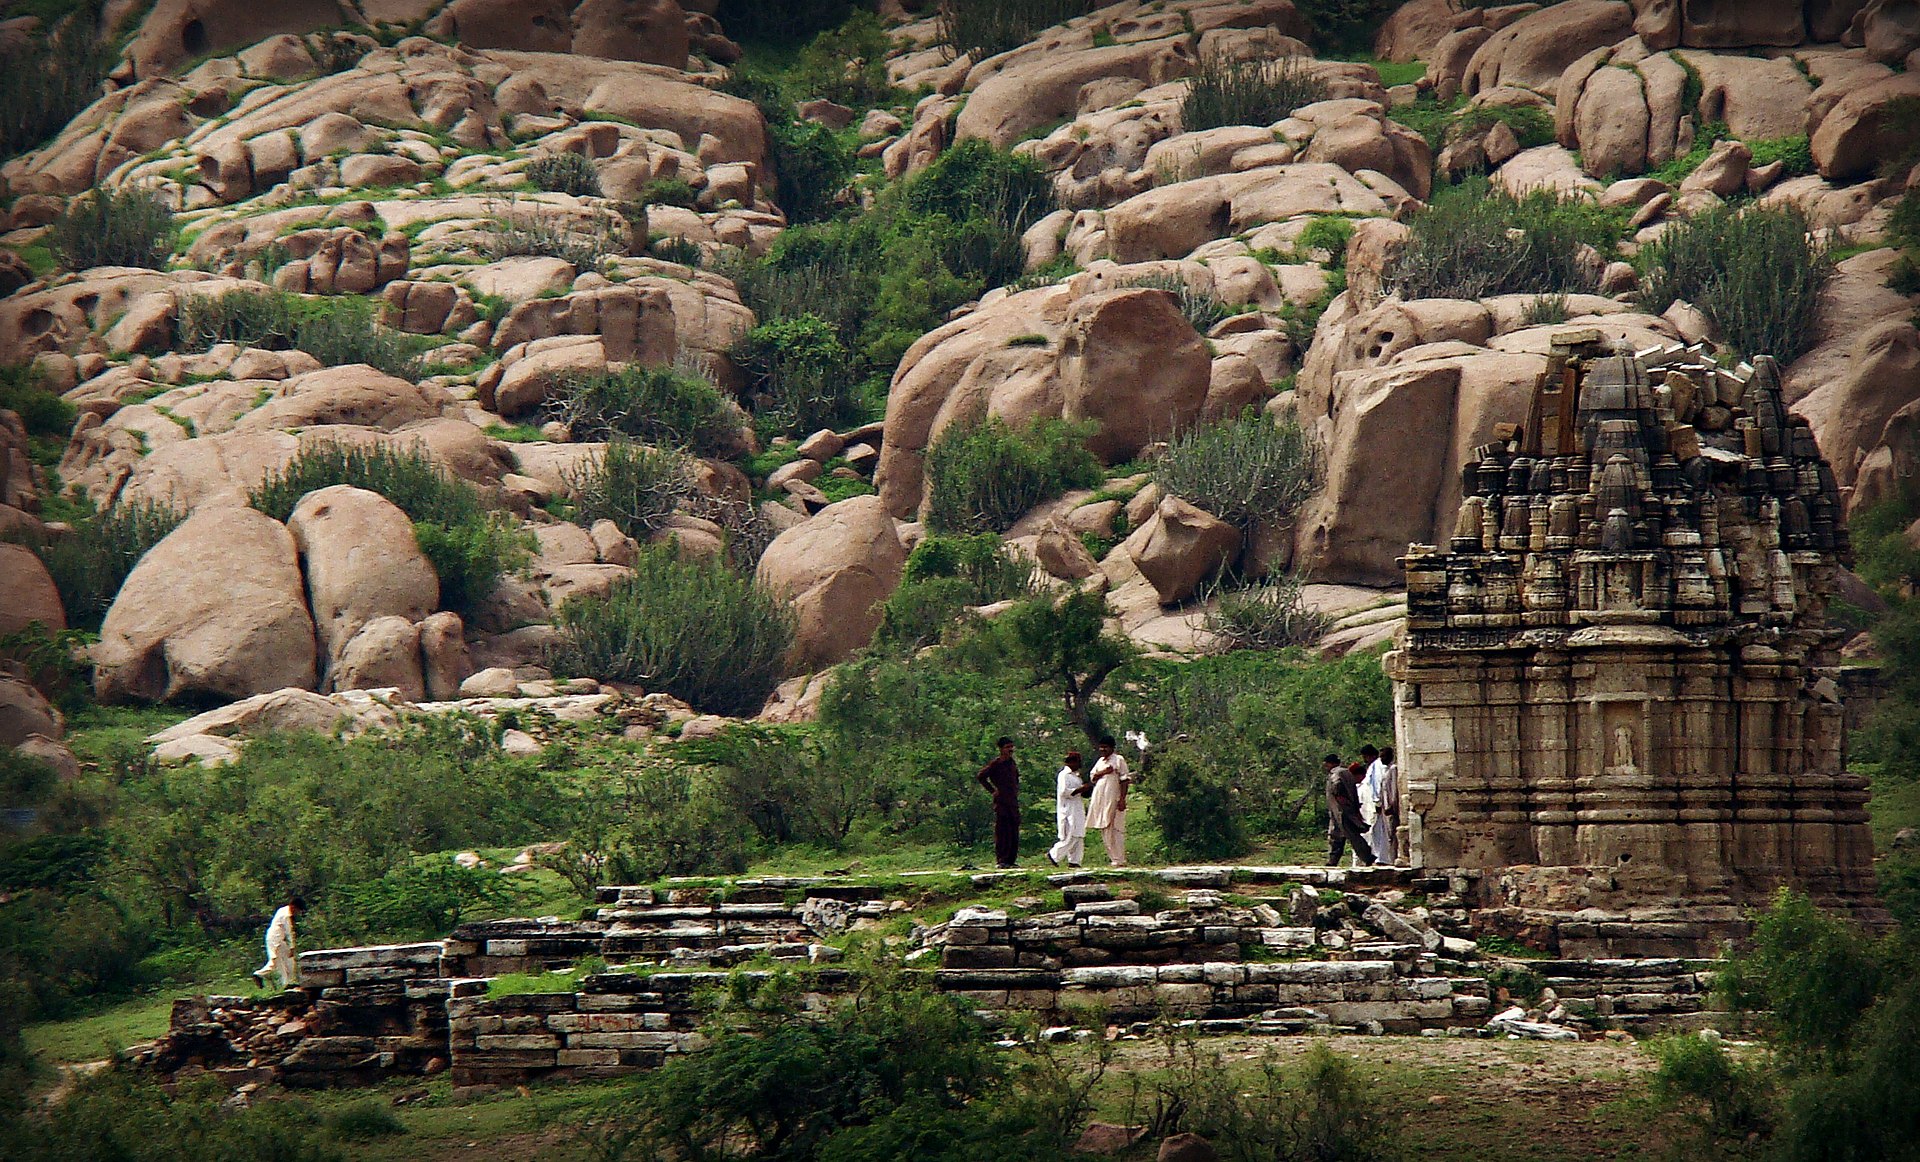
pixel 1620 665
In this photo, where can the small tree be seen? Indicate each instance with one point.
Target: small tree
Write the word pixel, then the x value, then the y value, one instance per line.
pixel 1066 644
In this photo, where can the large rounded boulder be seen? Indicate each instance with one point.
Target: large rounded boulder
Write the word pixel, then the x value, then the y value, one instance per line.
pixel 362 563
pixel 216 610
pixel 835 571
pixel 31 596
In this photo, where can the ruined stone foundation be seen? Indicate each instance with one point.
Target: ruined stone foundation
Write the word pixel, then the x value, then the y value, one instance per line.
pixel 1618 683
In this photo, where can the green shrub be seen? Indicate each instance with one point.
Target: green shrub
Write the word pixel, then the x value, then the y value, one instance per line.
pixel 680 250
pixel 127 1115
pixel 1328 234
pixel 692 629
pixel 883 278
pixel 984 477
pixel 1202 308
pixel 469 545
pixel 634 486
pixel 1267 617
pixel 943 576
pixel 781 782
pixel 113 227
pixel 584 245
pixel 985 28
pixel 813 164
pixel 47 417
pixel 1728 1097
pixel 801 375
pixel 1475 241
pixel 364 1120
pixel 425 897
pixel 336 331
pixel 1754 272
pixel 1258 92
pixel 564 173
pixel 1195 808
pixel 668 192
pixel 642 820
pixel 847 65
pixel 46 82
pixel 1545 310
pixel 1251 472
pixel 342 814
pixel 89 564
pixel 666 406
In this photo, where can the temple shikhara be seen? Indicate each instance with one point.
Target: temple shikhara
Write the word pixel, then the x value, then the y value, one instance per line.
pixel 1618 681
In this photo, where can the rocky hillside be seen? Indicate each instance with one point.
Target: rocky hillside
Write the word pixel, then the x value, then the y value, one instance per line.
pixel 384 331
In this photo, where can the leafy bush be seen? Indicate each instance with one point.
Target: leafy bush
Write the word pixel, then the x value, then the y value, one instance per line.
pixel 1267 617
pixel 668 192
pixel 692 629
pixel 469 545
pixel 847 65
pixel 1328 234
pixel 122 1114
pixel 680 250
pixel 1259 92
pixel 1250 472
pixel 425 897
pixel 89 564
pixel 885 277
pixel 564 173
pixel 364 1120
pixel 113 227
pixel 45 83
pixel 342 814
pixel 812 164
pixel 984 477
pixel 1476 241
pixel 1727 1097
pixel 944 575
pixel 802 375
pixel 632 485
pixel 984 28
pixel 668 406
pixel 1195 808
pixel 584 245
pixel 641 820
pixel 47 417
pixel 780 780
pixel 336 331
pixel 1318 1107
pixel 1202 308
pixel 1755 272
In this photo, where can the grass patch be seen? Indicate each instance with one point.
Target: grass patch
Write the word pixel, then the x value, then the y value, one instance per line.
pixel 986 28
pixel 1474 241
pixel 114 227
pixel 336 330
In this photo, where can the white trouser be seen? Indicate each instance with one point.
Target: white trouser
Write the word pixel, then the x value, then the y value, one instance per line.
pixel 1072 823
pixel 280 960
pixel 1114 838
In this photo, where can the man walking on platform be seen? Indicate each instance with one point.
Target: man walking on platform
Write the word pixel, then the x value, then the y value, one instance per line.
pixel 1343 813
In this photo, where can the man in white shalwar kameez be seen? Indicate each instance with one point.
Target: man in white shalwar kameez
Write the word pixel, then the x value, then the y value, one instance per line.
pixel 1070 789
pixel 1108 811
pixel 1373 802
pixel 280 954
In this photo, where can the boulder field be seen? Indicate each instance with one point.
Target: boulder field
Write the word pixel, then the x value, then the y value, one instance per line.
pixel 382 167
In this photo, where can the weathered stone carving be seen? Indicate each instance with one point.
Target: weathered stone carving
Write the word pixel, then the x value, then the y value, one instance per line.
pixel 1621 662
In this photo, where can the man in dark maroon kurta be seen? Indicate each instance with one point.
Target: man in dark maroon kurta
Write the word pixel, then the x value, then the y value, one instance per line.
pixel 1003 778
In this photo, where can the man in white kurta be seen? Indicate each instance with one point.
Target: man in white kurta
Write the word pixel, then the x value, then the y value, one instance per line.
pixel 280 955
pixel 1070 813
pixel 1108 811
pixel 1373 802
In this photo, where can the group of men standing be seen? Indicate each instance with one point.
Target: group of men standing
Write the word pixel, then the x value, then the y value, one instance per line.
pixel 1363 807
pixel 1096 799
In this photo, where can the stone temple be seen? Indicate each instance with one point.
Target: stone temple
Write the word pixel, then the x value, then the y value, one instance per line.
pixel 1618 683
